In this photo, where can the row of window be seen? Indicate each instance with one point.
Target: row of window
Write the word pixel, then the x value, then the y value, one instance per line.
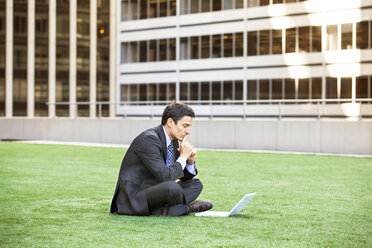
pixel 263 42
pixel 144 9
pixel 148 51
pixel 263 89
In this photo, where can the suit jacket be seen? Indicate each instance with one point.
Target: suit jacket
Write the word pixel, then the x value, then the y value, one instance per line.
pixel 143 166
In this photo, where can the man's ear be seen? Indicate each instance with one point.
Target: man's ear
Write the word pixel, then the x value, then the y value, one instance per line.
pixel 170 122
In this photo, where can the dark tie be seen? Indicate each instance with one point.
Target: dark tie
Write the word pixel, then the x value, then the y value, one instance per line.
pixel 170 155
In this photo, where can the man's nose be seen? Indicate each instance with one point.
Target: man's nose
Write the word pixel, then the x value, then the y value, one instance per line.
pixel 188 131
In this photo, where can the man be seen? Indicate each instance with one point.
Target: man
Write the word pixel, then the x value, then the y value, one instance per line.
pixel 155 159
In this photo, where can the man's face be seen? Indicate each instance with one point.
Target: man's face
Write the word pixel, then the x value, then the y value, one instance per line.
pixel 180 130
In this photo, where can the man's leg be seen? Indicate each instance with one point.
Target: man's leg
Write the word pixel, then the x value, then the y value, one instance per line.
pixel 167 193
pixel 192 189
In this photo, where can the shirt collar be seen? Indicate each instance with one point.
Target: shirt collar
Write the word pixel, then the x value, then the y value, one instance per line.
pixel 168 139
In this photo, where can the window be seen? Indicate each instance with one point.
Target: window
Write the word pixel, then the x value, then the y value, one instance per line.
pixel 362 35
pixel 277 89
pixel 238 90
pixel 347 36
pixel 184 91
pixel 264 2
pixel 264 89
pixel 163 8
pixel 216 52
pixel 143 92
pixel 228 45
pixel 204 91
pixel 194 47
pixel 252 90
pixel 303 88
pixel 290 89
pixel 264 42
pixel 194 91
pixel 239 44
pixel 206 5
pixel 252 43
pixel 304 39
pixel 205 47
pixel 345 88
pixel 228 91
pixel 153 11
pixel 362 87
pixel 216 91
pixel 332 37
pixel 172 49
pixel 184 49
pixel 153 50
pixel 143 51
pixel 316 88
pixel 277 41
pixel 194 6
pixel 290 46
pixel 216 5
pixel 143 6
pixel 162 50
pixel 316 38
pixel 331 88
pixel 228 4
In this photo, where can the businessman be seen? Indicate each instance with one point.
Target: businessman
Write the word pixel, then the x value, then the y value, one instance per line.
pixel 154 161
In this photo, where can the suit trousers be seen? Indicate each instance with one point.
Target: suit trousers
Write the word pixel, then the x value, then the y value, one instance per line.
pixel 171 193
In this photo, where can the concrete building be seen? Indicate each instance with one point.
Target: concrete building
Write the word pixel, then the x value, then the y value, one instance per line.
pixel 224 50
pixel 57 51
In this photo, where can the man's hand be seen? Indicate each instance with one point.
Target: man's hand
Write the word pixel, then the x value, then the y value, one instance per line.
pixel 185 149
pixel 192 158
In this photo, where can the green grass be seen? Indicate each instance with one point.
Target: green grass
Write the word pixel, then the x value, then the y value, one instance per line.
pixel 59 196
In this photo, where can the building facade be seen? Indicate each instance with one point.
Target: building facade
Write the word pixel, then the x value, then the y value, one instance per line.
pixel 57 51
pixel 221 52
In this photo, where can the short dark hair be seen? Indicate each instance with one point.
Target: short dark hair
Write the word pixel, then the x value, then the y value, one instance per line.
pixel 176 111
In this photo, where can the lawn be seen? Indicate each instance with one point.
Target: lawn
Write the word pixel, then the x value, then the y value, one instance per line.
pixel 59 196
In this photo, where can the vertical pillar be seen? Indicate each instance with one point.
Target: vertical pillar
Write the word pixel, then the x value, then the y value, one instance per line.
pixel 31 59
pixel 9 60
pixel 93 59
pixel 72 76
pixel 114 48
pixel 52 58
pixel 178 45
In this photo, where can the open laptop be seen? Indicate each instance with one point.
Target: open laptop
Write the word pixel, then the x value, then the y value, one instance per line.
pixel 238 207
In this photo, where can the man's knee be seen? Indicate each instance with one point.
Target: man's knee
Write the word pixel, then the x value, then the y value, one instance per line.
pixel 174 189
pixel 197 183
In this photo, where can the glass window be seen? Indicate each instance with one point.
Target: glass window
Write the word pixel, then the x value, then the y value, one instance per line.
pixel 303 88
pixel 143 11
pixel 290 1
pixel 205 46
pixel 152 95
pixel 228 4
pixel 252 90
pixel 239 4
pixel 290 36
pixel 316 39
pixel 172 7
pixel 331 88
pixel 143 51
pixel 153 11
pixel 134 94
pixel 316 88
pixel 347 36
pixel 162 92
pixel 252 43
pixel 172 49
pixel 277 41
pixel 239 90
pixel 194 6
pixel 362 35
pixel 216 5
pixel 277 1
pixel 19 97
pixel 332 37
pixel 276 89
pixel 216 52
pixel 162 50
pixel 124 93
pixel 216 91
pixel 172 91
pixel 264 2
pixel 264 42
pixel 153 50
pixel 345 87
pixel 205 91
pixel 362 87
pixel 253 3
pixel 264 89
pixel 238 44
pixel 133 52
pixel 143 92
pixel 304 39
pixel 228 91
pixel 290 89
pixel 206 5
pixel 195 47
pixel 184 91
pixel 163 8
pixel 228 45
pixel 194 91
pixel 184 49
pixel 134 9
pixel 124 10
pixel 185 7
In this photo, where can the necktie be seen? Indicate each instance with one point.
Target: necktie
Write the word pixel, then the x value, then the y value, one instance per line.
pixel 170 155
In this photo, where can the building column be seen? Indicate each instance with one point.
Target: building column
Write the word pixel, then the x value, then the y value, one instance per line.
pixel 178 45
pixel 114 47
pixel 31 59
pixel 9 60
pixel 52 58
pixel 72 75
pixel 93 59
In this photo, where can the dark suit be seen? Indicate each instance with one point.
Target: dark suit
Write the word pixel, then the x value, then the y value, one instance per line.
pixel 144 166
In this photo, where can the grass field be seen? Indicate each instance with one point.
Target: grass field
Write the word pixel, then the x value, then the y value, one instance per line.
pixel 59 196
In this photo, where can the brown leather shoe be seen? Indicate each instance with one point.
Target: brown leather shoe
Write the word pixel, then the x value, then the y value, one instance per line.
pixel 200 206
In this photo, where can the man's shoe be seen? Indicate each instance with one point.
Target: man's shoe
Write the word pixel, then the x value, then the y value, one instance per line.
pixel 200 206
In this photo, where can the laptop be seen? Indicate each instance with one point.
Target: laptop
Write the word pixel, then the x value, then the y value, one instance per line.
pixel 238 207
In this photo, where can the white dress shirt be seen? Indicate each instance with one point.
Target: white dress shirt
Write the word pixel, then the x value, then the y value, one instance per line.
pixel 190 167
